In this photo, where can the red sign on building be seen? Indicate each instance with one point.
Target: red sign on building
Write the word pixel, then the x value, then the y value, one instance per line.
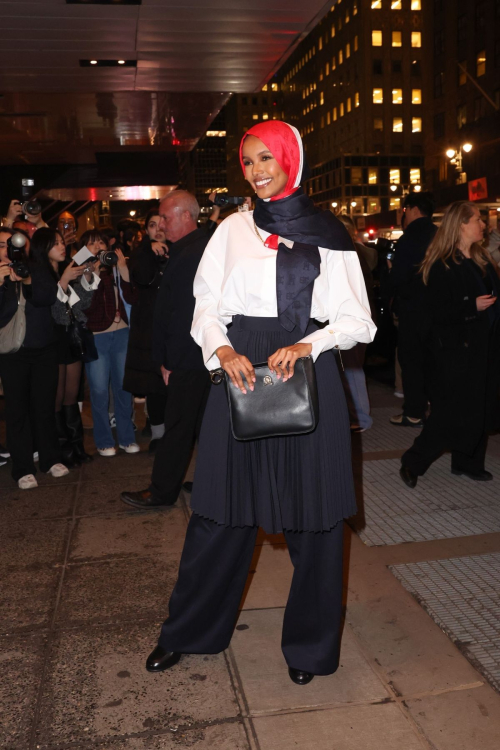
pixel 478 189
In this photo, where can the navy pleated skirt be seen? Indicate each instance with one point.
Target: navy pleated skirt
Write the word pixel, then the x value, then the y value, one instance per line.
pixel 296 482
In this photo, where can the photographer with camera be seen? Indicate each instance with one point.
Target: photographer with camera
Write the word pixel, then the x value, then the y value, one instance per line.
pixel 408 293
pixel 28 360
pixel 75 288
pixel 29 211
pixel 107 318
pixel 142 375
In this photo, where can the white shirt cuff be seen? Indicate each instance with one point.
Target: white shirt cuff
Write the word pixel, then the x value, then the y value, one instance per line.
pixel 213 337
pixel 92 285
pixel 72 298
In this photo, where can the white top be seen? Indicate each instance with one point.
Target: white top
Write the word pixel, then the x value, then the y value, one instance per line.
pixel 72 298
pixel 237 276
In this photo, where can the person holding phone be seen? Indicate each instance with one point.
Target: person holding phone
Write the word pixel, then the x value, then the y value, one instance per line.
pixel 463 297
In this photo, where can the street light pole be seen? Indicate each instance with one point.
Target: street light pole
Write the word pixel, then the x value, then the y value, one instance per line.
pixel 456 158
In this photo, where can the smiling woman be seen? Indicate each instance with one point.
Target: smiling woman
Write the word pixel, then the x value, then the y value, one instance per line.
pixel 265 280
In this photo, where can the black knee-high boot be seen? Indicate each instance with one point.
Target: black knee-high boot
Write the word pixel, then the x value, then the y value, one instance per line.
pixel 74 428
pixel 67 453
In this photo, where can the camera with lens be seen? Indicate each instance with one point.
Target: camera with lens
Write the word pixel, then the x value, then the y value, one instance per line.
pixel 387 246
pixel 30 206
pixel 17 255
pixel 107 258
pixel 228 200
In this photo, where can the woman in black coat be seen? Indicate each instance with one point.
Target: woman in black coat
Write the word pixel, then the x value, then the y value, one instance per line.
pixel 142 375
pixel 463 292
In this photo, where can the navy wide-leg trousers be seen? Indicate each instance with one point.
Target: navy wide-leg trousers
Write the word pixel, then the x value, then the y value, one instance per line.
pixel 212 574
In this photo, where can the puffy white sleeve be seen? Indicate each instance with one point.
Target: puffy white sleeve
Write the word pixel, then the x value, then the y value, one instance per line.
pixel 209 328
pixel 349 318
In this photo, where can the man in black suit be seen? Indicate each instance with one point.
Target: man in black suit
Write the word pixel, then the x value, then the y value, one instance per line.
pixel 180 357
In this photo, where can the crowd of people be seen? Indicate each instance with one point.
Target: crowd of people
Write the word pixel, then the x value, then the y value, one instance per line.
pixel 152 310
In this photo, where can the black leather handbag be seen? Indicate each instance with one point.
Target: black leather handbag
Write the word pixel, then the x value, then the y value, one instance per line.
pixel 81 340
pixel 274 407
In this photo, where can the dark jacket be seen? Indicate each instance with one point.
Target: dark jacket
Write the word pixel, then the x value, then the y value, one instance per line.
pixel 102 310
pixel 465 345
pixel 404 281
pixel 40 295
pixel 60 309
pixel 173 345
pixel 142 374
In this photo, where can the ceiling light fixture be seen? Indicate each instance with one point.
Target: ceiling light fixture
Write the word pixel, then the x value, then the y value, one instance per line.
pixel 121 62
pixel 109 63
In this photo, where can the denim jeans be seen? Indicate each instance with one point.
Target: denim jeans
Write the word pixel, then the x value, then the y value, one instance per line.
pixel 110 367
pixel 354 381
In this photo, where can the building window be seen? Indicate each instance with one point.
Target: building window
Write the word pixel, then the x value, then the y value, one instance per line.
pixel 328 117
pixel 321 97
pixel 265 116
pixel 341 109
pixel 416 124
pixel 479 108
pixel 347 16
pixel 376 4
pixel 378 96
pixel 334 114
pixel 439 43
pixel 334 63
pixel 443 170
pixel 356 43
pixel 395 4
pixel 341 57
pixel 373 205
pixel 378 124
pixel 439 125
pixel 397 66
pixel 415 176
pixel 264 88
pixel 462 74
pixel 377 67
pixel 372 175
pixel 416 38
pixel 274 86
pixel 462 30
pixel 480 18
pixel 397 96
pixel 322 122
pixel 416 4
pixel 327 69
pixel 416 96
pixel 376 38
pixel 394 204
pixel 461 115
pixel 347 51
pixel 397 124
pixel 333 30
pixel 320 43
pixel 356 175
pixel 394 176
pixel 349 104
pixel 481 63
pixel 354 9
pixel 438 85
pixel 356 99
pixel 415 68
pixel 397 39
pixel 255 116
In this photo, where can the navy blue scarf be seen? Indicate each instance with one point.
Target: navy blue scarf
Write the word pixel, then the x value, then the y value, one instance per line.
pixel 296 218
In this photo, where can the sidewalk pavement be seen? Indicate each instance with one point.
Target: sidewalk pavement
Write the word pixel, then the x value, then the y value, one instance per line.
pixel 86 581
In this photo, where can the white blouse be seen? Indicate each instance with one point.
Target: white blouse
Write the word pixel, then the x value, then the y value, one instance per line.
pixel 70 296
pixel 237 276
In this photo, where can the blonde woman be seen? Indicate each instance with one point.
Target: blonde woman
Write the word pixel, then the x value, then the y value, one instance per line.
pixel 464 291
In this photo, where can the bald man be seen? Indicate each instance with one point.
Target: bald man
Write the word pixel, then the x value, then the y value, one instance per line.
pixel 180 357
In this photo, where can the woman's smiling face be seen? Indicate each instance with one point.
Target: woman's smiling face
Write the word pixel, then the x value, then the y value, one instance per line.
pixel 261 169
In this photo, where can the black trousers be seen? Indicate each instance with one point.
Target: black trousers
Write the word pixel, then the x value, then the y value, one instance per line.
pixel 187 396
pixel 413 358
pixel 156 403
pixel 212 574
pixel 29 379
pixel 432 441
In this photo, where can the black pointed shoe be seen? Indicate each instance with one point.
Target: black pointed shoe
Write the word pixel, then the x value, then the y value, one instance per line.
pixel 408 477
pixel 477 476
pixel 159 659
pixel 299 676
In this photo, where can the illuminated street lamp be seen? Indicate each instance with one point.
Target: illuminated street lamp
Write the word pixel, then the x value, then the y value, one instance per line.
pixel 456 158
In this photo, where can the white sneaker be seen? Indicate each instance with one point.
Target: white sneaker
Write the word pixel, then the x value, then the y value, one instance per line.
pixel 107 452
pixel 58 470
pixel 27 482
pixel 132 448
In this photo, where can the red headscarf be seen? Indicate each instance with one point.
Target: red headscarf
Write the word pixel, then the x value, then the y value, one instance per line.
pixel 285 144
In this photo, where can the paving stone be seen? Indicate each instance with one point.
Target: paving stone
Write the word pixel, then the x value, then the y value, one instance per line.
pixel 33 543
pixel 21 664
pixel 384 436
pixel 97 687
pixel 123 464
pixel 123 589
pixel 459 720
pixel 45 502
pixel 462 595
pixel 441 506
pixel 256 650
pixel 132 535
pixel 28 597
pixel 103 497
pixel 377 727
